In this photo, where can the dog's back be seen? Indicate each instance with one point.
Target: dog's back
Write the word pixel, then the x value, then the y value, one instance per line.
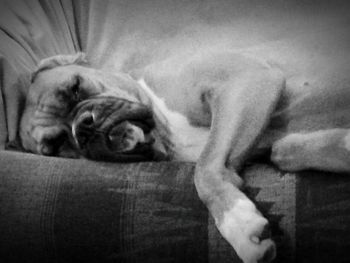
pixel 309 44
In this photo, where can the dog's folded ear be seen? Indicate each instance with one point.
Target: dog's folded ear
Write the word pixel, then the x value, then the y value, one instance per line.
pixel 59 60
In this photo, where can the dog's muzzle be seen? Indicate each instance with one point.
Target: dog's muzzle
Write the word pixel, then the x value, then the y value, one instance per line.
pixel 112 129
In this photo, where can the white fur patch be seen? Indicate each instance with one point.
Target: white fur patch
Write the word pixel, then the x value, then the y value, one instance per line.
pixel 241 227
pixel 175 118
pixel 189 140
pixel 235 220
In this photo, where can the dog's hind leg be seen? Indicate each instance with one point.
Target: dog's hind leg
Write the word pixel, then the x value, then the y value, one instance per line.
pixel 326 150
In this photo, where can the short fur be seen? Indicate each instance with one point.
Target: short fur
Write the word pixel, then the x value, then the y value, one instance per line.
pixel 216 107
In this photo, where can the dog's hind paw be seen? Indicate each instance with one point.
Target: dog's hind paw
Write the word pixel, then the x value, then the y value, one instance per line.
pixel 292 153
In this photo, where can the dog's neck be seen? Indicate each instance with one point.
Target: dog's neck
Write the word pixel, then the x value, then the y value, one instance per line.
pixel 181 140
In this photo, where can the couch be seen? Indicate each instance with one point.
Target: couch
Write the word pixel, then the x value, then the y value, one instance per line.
pixel 76 210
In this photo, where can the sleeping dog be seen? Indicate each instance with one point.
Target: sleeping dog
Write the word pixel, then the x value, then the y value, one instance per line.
pixel 217 109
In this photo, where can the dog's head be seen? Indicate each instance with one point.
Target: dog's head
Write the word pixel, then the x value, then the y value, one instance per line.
pixel 74 110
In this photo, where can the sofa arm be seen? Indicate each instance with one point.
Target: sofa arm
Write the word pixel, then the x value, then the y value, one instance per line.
pixel 65 210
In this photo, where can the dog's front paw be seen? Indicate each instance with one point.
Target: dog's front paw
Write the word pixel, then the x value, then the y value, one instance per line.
pixel 292 153
pixel 247 232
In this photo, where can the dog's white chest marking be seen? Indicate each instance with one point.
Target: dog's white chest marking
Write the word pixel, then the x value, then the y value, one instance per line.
pixel 188 140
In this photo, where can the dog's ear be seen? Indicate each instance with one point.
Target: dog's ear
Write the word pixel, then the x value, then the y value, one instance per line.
pixel 59 60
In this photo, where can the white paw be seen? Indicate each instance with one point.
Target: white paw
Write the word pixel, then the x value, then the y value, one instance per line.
pixel 243 227
pixel 291 153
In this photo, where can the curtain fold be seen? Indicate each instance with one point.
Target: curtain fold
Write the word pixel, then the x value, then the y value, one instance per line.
pixel 29 31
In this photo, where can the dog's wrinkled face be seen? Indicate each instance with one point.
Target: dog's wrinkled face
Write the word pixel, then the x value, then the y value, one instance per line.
pixel 73 110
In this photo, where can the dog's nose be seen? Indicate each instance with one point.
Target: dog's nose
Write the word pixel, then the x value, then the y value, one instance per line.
pixel 83 127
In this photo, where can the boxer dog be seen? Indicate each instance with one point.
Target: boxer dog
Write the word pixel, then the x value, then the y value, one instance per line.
pixel 216 108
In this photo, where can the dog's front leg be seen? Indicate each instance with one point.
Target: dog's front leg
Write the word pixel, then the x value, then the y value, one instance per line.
pixel 240 110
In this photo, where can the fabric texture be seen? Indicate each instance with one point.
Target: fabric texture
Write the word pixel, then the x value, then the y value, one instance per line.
pixel 57 210
pixel 60 210
pixel 64 210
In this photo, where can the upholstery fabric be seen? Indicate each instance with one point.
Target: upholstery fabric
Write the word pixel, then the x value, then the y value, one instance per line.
pixel 61 210
pixel 64 210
